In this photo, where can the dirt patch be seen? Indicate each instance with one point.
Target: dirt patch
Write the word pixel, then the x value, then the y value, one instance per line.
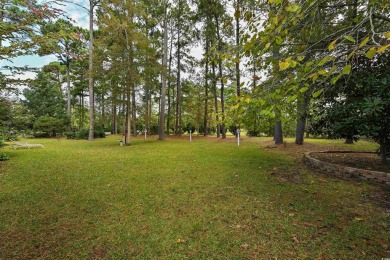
pixel 295 150
pixel 366 161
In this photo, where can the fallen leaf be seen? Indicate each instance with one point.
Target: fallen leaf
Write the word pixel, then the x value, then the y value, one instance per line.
pixel 295 239
pixel 245 246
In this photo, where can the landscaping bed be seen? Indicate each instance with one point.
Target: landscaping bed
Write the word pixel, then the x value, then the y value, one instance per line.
pixel 366 161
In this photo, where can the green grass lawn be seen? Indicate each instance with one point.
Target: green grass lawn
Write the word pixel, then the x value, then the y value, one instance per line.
pixel 176 199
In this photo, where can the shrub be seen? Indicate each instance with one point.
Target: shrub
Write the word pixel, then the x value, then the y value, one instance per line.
pixel 154 129
pixel 49 125
pixel 4 157
pixel 189 127
pixel 41 134
pixel 84 133
pixel 253 133
pixel 70 135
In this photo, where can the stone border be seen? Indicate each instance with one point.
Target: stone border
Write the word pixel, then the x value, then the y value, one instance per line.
pixel 345 172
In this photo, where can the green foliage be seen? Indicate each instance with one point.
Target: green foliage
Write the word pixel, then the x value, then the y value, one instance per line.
pixel 41 134
pixel 4 157
pixel 44 97
pixel 84 133
pixel 50 125
pixel 359 105
pixel 189 126
pixel 70 135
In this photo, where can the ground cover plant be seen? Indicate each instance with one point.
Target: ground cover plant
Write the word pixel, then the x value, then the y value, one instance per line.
pixel 176 199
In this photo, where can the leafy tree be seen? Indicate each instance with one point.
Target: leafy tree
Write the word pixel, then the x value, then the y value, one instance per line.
pixel 50 125
pixel 63 39
pixel 19 36
pixel 359 105
pixel 43 97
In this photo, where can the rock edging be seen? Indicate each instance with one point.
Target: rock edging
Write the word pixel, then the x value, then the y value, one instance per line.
pixel 346 172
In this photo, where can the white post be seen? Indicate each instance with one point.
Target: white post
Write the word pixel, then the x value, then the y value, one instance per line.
pixel 190 136
pixel 238 137
pixel 145 133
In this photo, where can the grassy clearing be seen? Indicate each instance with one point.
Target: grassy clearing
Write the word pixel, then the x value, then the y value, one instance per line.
pixel 175 199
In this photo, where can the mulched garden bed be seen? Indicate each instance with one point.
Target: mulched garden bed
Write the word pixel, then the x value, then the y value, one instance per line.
pixel 366 161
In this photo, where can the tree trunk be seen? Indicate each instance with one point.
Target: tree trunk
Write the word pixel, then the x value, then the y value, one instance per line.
pixel 114 121
pixel 278 133
pixel 103 111
pixel 178 91
pixel 223 130
pixel 128 114
pixel 349 140
pixel 82 111
pixel 169 82
pixel 69 108
pixel 301 120
pixel 383 153
pixel 91 136
pixel 206 88
pixel 216 99
pixel 164 79
pixel 238 74
pixel 134 110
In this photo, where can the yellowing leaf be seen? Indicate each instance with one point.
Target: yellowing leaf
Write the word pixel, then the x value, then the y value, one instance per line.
pixel 359 219
pixel 364 42
pixel 267 45
pixel 292 8
pixel 383 48
pixel 301 58
pixel 293 63
pixel 323 61
pixel 335 79
pixel 304 89
pixel 347 70
pixel 387 35
pixel 322 72
pixel 350 55
pixel 271 1
pixel 371 53
pixel 318 93
pixel 283 65
pixel 291 99
pixel 332 45
pixel 278 40
pixel 349 38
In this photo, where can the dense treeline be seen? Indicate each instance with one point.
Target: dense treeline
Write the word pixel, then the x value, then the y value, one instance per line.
pixel 273 67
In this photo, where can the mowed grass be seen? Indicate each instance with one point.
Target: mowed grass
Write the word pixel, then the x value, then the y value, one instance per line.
pixel 176 199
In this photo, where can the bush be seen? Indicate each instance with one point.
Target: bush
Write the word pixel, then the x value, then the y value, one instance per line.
pixel 153 130
pixel 233 129
pixel 49 125
pixel 1 142
pixel 11 136
pixel 84 134
pixel 41 134
pixel 189 127
pixel 253 133
pixel 4 157
pixel 70 135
